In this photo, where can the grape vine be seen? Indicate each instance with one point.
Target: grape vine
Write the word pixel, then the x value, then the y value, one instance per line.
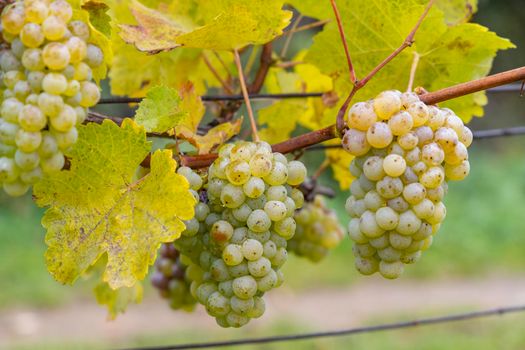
pixel 214 213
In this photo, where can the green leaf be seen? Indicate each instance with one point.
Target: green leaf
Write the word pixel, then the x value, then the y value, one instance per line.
pixel 235 25
pixel 117 300
pixel 280 119
pixel 98 16
pixel 448 55
pixel 456 11
pixel 96 208
pixel 161 110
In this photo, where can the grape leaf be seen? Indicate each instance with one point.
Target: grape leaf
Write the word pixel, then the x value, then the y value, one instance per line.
pixel 448 54
pixel 95 208
pixel 172 69
pixel 215 137
pixel 456 11
pixel 192 103
pixel 117 300
pixel 161 110
pixel 280 119
pixel 235 24
pixel 98 16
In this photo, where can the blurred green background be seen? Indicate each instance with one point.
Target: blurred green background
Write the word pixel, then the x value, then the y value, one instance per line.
pixel 477 260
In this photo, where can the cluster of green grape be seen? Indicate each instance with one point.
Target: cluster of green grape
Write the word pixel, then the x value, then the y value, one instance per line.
pixel 237 240
pixel 405 152
pixel 171 280
pixel 47 87
pixel 318 231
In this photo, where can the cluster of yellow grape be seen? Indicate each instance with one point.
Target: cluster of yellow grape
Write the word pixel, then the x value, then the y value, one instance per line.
pixel 318 231
pixel 46 78
pixel 405 151
pixel 236 244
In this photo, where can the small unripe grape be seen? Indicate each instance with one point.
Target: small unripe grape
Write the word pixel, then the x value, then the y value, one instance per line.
pixel 355 142
pixel 446 138
pixel 432 154
pixel 54 83
pixel 355 232
pixel 275 210
pixel 386 104
pixel 31 118
pixel 35 80
pixel 436 118
pixel 238 172
pixel 77 49
pixel 53 28
pixel 13 19
pixel 254 187
pixel 407 98
pixel 433 177
pixel 285 228
pixel 379 135
pixel 51 105
pixel 22 89
pixel 79 29
pixel 28 141
pixel 373 168
pixel 36 11
pixel 389 254
pixel 391 270
pixel 419 112
pixel 296 173
pixel 26 161
pixel 457 172
pixel 261 165
pixel 56 56
pixel 389 187
pixel 409 223
pixel 258 221
pixel 366 266
pixel 369 226
pixel 414 193
pixel 466 136
pixel 424 135
pixel 90 94
pixel 380 242
pixel 400 123
pixel 361 116
pixel 94 56
pixel 31 35
pixel 61 9
pixel 232 255
pixel 458 155
pixel 82 71
pixel 363 250
pixel 232 196
pixel 15 189
pixel 10 109
pixel 278 175
pixel 8 61
pixel 440 211
pixel 244 287
pixel 424 209
pixel 8 170
pixel 65 119
pixel 394 165
pixel 221 231
pixel 399 241
pixel 260 267
pixel 373 200
pixel 387 218
pixel 252 249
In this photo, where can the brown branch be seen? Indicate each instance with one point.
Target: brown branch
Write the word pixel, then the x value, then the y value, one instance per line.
pixel 328 133
pixel 309 26
pixel 264 66
pixel 409 40
pixel 353 78
pixel 289 36
pixel 216 74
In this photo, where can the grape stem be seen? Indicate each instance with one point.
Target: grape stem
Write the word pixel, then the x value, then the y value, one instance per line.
pixel 217 76
pixel 253 123
pixel 413 69
pixel 351 69
pixel 358 84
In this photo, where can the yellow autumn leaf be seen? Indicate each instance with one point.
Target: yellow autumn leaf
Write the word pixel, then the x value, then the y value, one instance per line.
pixel 97 209
pixel 117 300
pixel 236 24
pixel 215 137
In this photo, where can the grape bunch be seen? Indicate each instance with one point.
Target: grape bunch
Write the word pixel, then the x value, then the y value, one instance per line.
pixel 405 151
pixel 237 240
pixel 46 78
pixel 318 231
pixel 171 280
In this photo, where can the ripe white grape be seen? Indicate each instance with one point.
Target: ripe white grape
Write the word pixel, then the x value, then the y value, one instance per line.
pixel 401 167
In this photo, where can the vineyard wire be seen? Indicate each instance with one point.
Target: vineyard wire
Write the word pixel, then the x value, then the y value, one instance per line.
pixel 345 332
pixel 118 100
